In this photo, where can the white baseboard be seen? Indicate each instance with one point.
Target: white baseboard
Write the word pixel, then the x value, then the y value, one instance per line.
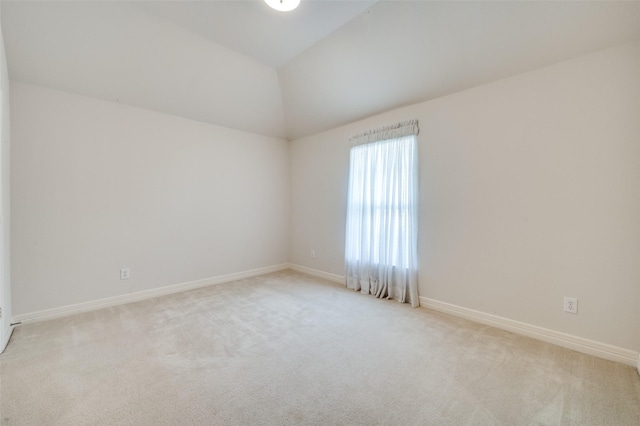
pixel 591 347
pixel 579 344
pixel 93 305
pixel 316 273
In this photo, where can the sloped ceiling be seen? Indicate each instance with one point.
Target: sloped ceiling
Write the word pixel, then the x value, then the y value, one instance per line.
pixel 118 52
pixel 239 64
pixel 404 52
pixel 255 30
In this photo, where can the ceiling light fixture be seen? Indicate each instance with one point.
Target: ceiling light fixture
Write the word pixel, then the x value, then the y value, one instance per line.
pixel 283 5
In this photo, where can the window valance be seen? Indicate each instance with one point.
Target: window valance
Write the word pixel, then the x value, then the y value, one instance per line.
pixel 405 128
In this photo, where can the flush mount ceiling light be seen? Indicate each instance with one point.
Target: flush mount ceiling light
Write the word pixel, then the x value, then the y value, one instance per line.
pixel 283 5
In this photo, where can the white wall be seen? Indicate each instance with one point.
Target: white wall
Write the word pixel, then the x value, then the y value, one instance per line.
pixel 5 217
pixel 116 51
pixel 529 191
pixel 378 60
pixel 98 186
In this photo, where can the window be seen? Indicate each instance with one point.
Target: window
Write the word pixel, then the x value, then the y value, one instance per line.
pixel 382 214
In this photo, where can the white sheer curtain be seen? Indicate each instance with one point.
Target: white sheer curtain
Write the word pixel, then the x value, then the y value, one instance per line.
pixel 382 214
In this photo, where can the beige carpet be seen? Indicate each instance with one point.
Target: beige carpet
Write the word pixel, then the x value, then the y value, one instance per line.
pixel 286 348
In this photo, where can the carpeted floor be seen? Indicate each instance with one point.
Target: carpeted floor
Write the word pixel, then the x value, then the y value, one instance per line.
pixel 286 348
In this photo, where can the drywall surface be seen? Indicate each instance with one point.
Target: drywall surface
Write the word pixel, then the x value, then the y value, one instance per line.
pixel 399 53
pixel 5 216
pixel 529 192
pixel 115 51
pixel 98 186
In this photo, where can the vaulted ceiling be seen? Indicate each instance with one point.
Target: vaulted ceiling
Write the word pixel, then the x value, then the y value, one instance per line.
pixel 242 65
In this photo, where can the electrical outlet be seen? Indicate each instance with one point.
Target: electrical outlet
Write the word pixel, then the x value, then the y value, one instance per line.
pixel 313 254
pixel 125 273
pixel 571 305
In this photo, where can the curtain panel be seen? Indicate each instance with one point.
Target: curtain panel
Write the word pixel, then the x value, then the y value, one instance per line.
pixel 382 213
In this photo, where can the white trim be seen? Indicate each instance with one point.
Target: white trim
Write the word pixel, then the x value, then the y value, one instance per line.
pixel 591 347
pixel 140 295
pixel 579 344
pixel 320 274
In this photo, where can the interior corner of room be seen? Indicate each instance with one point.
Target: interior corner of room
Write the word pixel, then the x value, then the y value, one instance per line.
pixel 152 158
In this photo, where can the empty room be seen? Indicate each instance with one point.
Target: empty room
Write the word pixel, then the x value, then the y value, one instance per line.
pixel 354 212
